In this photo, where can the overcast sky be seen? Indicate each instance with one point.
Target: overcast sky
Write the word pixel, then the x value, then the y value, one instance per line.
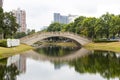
pixel 40 12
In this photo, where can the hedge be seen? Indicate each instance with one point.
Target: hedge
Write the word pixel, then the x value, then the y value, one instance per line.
pixel 3 43
pixel 104 40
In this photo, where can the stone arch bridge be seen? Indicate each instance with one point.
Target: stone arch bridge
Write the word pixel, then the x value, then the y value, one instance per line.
pixel 31 39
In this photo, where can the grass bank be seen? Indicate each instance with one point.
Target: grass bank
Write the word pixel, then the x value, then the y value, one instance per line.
pixel 6 52
pixel 112 46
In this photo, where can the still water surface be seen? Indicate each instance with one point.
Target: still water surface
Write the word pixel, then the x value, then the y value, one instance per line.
pixel 43 65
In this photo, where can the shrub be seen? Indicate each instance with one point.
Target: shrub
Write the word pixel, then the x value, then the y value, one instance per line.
pixel 3 43
pixel 104 40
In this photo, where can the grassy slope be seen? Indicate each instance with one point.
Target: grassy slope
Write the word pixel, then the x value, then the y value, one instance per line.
pixel 113 46
pixel 5 52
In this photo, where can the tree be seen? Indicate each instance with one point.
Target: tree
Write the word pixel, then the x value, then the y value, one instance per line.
pixel 55 27
pixel 115 26
pixel 1 20
pixel 69 27
pixel 19 35
pixel 10 26
pixel 29 32
pixel 78 24
pixel 107 23
pixel 89 25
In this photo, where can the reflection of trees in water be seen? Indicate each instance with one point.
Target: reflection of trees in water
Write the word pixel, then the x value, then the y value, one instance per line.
pixel 8 72
pixel 105 63
pixel 56 50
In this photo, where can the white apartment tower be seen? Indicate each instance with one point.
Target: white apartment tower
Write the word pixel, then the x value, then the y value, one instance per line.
pixel 21 19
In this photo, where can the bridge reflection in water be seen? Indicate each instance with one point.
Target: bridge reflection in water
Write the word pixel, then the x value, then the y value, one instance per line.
pixel 77 54
pixel 20 60
pixel 104 63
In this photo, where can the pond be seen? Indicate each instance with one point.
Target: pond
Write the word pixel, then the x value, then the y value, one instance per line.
pixel 64 64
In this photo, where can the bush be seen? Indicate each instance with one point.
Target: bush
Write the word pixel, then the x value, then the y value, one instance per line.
pixel 104 40
pixel 3 43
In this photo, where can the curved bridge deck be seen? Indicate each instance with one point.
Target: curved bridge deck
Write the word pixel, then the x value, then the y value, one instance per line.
pixel 31 39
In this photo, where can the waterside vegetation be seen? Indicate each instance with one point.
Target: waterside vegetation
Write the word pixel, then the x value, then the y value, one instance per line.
pixel 6 52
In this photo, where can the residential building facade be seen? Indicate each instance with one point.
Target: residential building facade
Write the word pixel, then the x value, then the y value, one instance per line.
pixel 60 18
pixel 21 19
pixel 64 19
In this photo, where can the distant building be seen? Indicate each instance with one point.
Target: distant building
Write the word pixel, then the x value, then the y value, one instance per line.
pixel 64 19
pixel 71 18
pixel 1 3
pixel 21 19
pixel 60 18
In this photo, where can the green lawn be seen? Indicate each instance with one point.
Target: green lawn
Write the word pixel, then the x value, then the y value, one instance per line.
pixel 112 46
pixel 5 52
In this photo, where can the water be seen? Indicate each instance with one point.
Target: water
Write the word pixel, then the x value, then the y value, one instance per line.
pixel 80 64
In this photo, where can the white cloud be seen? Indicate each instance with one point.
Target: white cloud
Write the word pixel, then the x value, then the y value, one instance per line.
pixel 40 12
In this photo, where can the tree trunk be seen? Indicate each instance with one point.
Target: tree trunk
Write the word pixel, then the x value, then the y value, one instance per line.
pixel 4 35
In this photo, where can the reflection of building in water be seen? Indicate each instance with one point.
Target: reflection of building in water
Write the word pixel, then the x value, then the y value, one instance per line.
pixel 19 61
pixel 58 65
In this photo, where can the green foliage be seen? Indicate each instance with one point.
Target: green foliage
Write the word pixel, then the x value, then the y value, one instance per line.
pixel 3 43
pixel 55 27
pixel 1 19
pixel 23 34
pixel 104 40
pixel 8 72
pixel 106 26
pixel 107 64
pixel 19 35
pixel 8 25
pixel 29 32
pixel 69 27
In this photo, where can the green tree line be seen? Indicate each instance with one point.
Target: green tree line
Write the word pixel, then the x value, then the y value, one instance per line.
pixel 106 26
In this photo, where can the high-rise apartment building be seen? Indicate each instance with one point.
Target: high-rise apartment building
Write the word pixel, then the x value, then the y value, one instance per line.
pixel 60 18
pixel 64 19
pixel 21 19
pixel 1 3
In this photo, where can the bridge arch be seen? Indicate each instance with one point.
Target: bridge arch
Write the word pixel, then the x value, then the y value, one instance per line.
pixel 31 39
